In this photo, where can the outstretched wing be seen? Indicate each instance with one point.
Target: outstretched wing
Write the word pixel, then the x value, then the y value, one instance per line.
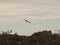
pixel 27 21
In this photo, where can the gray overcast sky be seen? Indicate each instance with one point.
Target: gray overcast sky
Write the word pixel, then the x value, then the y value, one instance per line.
pixel 44 14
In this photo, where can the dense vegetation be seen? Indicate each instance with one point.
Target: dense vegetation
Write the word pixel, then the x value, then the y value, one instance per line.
pixel 38 38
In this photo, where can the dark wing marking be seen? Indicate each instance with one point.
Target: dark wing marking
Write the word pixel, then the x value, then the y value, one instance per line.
pixel 27 21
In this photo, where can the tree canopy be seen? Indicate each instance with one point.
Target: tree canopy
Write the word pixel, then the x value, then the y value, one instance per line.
pixel 37 38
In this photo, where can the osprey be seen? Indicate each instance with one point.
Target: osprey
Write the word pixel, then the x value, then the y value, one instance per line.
pixel 27 21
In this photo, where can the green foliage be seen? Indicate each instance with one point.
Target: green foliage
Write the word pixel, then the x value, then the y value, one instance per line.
pixel 38 38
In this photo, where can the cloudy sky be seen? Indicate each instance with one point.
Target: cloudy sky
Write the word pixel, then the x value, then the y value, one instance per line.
pixel 44 14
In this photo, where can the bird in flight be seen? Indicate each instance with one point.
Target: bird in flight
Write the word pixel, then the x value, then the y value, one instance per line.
pixel 27 21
